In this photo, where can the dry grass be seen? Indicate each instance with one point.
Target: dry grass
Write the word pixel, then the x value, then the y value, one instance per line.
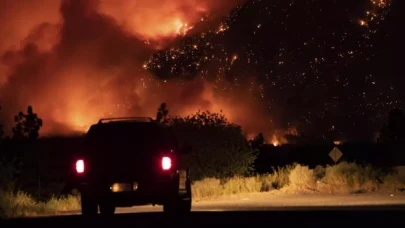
pixel 211 188
pixel 341 178
pixel 352 178
pixel 20 204
pixel 302 178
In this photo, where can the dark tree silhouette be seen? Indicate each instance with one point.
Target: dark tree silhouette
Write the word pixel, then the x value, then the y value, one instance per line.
pixel 162 114
pixel 257 142
pixel 1 128
pixel 220 148
pixel 394 130
pixel 27 125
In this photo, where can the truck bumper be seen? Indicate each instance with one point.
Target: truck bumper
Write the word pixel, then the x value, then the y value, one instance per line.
pixel 132 194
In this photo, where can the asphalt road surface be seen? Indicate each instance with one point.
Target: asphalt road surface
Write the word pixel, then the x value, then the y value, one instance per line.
pixel 262 209
pixel 283 202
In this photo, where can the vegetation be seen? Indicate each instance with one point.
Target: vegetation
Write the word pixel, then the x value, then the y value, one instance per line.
pixel 1 128
pixel 220 149
pixel 221 165
pixel 162 114
pixel 292 179
pixel 20 204
pixel 344 177
pixel 27 125
pixel 257 142
pixel 8 173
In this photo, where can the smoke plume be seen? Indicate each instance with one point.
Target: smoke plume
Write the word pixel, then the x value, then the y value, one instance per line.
pixel 77 61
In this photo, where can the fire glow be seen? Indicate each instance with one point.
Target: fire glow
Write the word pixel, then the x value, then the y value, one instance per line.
pixel 78 61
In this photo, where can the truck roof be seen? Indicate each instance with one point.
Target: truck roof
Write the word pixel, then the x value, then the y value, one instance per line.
pixel 130 132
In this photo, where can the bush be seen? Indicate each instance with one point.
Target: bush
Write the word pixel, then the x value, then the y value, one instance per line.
pixel 351 178
pixel 278 179
pixel 220 149
pixel 302 178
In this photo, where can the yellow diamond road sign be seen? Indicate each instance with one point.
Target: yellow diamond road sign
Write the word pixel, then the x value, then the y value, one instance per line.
pixel 335 154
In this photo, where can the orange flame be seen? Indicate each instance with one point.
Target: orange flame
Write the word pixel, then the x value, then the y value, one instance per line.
pixel 153 19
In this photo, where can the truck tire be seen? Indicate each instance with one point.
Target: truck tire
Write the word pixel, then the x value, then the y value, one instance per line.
pixel 107 208
pixel 179 204
pixel 89 205
pixel 185 205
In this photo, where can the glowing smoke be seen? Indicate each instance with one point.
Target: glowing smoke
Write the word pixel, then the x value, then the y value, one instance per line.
pixel 77 61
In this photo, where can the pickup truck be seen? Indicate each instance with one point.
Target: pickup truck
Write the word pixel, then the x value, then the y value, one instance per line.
pixel 128 162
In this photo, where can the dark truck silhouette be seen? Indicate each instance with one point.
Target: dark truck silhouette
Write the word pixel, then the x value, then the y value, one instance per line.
pixel 128 162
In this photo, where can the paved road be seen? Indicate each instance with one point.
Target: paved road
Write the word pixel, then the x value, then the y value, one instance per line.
pixel 282 202
pixel 271 210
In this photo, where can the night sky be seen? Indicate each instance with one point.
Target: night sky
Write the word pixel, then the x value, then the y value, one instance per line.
pixel 328 68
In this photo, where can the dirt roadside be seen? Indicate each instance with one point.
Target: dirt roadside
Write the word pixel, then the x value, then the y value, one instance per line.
pixel 281 199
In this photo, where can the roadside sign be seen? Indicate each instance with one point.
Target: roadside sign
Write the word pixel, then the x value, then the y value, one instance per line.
pixel 335 154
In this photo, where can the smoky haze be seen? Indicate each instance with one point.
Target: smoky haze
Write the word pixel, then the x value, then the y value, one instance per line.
pixel 78 61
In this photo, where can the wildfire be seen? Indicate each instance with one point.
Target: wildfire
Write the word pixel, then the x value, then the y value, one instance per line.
pixel 79 125
pixel 107 77
pixel 278 139
pixel 182 28
pixel 155 19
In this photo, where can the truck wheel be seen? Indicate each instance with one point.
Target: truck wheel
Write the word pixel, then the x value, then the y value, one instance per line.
pixel 88 205
pixel 170 206
pixel 179 204
pixel 185 205
pixel 107 208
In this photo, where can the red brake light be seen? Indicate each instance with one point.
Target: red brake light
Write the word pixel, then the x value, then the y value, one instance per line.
pixel 166 163
pixel 80 166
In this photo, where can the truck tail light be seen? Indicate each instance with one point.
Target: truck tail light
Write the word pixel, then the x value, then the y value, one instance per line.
pixel 80 166
pixel 166 163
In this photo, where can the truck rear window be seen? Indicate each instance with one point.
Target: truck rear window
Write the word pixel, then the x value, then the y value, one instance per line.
pixel 146 136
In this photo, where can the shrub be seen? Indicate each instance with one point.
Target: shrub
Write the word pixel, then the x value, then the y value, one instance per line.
pixel 351 178
pixel 220 149
pixel 302 178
